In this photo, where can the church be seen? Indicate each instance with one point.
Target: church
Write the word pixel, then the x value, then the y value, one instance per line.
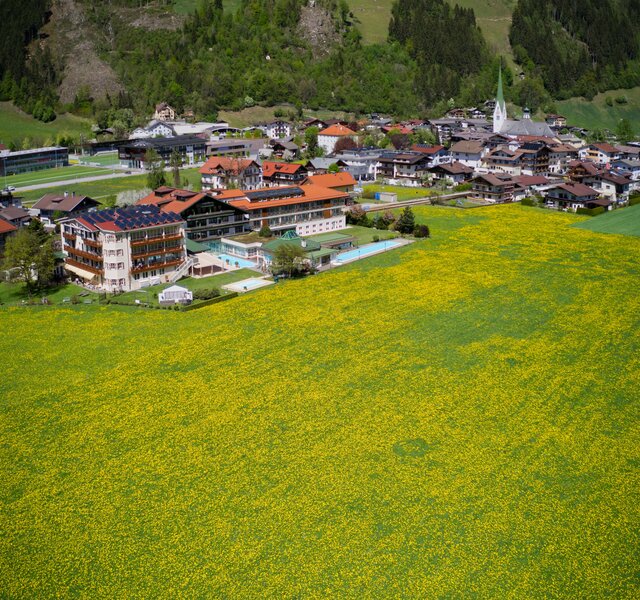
pixel 505 126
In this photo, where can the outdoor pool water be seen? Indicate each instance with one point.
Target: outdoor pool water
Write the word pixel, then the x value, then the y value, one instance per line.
pixel 242 262
pixel 367 250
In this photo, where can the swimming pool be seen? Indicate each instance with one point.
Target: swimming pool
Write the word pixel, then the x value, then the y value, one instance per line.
pixel 230 261
pixel 367 250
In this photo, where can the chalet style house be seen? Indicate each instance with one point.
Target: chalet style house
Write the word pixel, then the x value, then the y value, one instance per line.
pixel 164 112
pixel 221 173
pixel 123 249
pixel 493 188
pixel 52 207
pixel 282 173
pixel 571 196
pixel 305 209
pixel 208 215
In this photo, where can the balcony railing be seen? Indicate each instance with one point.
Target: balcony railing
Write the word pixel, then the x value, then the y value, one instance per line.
pixel 89 255
pixel 81 265
pixel 169 263
pixel 155 252
pixel 92 243
pixel 157 238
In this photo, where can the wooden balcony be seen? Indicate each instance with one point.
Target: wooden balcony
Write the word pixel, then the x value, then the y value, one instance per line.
pixel 81 265
pixel 93 243
pixel 69 236
pixel 156 252
pixel 158 238
pixel 89 255
pixel 169 263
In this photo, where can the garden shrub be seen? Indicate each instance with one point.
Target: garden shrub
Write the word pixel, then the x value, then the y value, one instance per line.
pixel 206 294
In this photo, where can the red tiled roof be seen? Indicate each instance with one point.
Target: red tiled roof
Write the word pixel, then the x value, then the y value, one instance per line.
pixel 333 180
pixel 270 168
pixel 604 147
pixel 217 164
pixel 312 193
pixel 426 149
pixel 337 131
pixel 6 227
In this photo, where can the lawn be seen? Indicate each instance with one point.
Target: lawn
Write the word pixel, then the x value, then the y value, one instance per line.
pixel 52 176
pixel 404 193
pixel 595 114
pixel 365 235
pixel 107 187
pixel 457 418
pixel 149 295
pixel 624 221
pixel 16 125
pixel 15 293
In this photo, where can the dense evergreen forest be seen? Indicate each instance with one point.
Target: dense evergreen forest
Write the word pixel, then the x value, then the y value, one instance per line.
pixel 28 80
pixel 311 55
pixel 578 48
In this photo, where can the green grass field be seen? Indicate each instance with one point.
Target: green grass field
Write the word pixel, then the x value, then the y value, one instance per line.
pixel 404 193
pixel 107 187
pixel 457 418
pixel 597 115
pixel 625 221
pixel 52 175
pixel 16 126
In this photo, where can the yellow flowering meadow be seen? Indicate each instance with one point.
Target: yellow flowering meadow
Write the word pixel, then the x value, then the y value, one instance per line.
pixel 457 418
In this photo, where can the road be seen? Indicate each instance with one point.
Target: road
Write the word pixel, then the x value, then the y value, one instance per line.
pixel 42 186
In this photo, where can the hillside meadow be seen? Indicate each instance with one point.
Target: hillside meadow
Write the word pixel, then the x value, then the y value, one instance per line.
pixel 457 418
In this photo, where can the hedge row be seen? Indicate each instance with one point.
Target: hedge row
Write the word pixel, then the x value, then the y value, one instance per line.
pixel 592 212
pixel 209 302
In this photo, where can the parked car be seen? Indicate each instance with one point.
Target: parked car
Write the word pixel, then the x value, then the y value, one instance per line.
pixel 9 188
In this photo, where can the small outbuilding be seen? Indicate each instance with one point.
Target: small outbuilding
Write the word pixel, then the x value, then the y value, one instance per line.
pixel 175 295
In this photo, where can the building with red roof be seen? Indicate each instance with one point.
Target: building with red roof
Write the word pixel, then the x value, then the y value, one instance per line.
pixel 6 229
pixel 343 181
pixel 329 137
pixel 282 173
pixel 123 249
pixel 223 172
pixel 571 196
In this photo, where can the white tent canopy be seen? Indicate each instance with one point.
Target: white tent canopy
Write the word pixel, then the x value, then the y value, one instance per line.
pixel 175 293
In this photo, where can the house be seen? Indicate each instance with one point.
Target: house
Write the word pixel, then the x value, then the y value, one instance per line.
pixel 318 166
pixel 164 112
pixel 24 161
pixel 560 156
pixel 208 215
pixel 16 215
pixel 133 154
pixel 307 209
pixel 601 154
pixel 277 129
pixel 362 163
pixel 329 137
pixel 409 166
pixel 281 173
pixel 628 152
pixel 342 182
pixel 233 147
pixel 626 167
pixel 503 160
pixel 578 170
pixel 53 207
pixel 492 188
pixel 437 154
pixel 123 249
pixel 610 185
pixel 557 121
pixel 314 123
pixel 221 172
pixel 457 113
pixel 534 158
pixel 571 196
pixel 155 128
pixel 468 153
pixel 175 294
pixel 285 149
pixel 452 173
pixel 6 229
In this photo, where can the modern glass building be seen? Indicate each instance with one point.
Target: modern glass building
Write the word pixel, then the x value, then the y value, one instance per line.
pixel 23 161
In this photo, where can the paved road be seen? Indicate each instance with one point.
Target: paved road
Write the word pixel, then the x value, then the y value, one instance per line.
pixel 49 184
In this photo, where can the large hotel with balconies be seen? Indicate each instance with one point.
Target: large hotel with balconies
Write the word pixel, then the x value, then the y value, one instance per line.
pixel 123 249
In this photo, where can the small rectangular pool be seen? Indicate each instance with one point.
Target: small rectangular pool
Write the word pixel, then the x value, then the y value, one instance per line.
pixel 231 261
pixel 367 250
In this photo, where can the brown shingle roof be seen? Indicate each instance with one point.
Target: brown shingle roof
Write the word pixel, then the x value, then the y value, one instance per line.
pixel 61 202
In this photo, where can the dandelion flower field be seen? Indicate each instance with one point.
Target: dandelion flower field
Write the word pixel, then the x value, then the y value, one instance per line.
pixel 457 418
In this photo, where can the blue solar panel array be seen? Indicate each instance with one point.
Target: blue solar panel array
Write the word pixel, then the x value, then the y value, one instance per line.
pixel 132 217
pixel 275 193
